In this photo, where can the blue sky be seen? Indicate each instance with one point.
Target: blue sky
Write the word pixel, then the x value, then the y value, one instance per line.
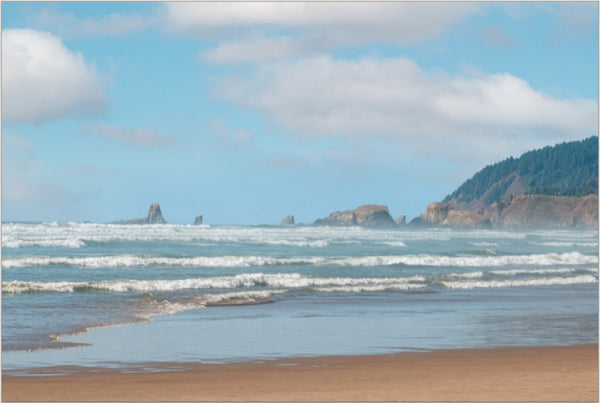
pixel 248 112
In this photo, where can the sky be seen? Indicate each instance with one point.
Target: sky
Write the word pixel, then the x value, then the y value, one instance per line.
pixel 248 112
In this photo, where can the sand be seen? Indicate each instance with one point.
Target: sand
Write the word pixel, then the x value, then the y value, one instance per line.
pixel 522 374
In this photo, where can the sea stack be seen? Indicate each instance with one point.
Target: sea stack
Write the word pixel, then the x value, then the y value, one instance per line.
pixel 366 216
pixel 155 215
pixel 198 220
pixel 289 220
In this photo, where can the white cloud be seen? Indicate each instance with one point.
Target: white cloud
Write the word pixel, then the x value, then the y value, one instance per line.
pixel 497 37
pixel 281 29
pixel 406 18
pixel 69 25
pixel 477 115
pixel 254 49
pixel 43 80
pixel 140 136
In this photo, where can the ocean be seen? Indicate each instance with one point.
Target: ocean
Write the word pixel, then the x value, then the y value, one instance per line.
pixel 135 296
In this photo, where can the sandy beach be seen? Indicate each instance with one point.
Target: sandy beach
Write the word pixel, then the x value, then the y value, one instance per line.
pixel 518 373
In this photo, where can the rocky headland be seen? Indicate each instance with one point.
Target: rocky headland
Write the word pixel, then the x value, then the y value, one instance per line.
pixel 553 187
pixel 517 212
pixel 366 216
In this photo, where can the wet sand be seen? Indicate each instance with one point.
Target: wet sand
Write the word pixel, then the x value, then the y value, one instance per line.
pixel 519 374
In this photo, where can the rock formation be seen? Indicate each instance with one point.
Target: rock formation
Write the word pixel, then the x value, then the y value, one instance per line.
pixel 198 220
pixel 441 214
pixel 522 211
pixel 154 217
pixel 544 211
pixel 368 216
pixel 289 220
pixel 552 187
pixel 401 220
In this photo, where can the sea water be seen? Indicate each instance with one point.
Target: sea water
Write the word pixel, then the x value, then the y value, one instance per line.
pixel 234 293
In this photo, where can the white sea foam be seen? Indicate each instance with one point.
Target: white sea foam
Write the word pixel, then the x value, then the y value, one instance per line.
pixel 244 281
pixel 515 272
pixel 485 244
pixel 165 307
pixel 470 284
pixel 288 281
pixel 137 261
pixel 398 244
pixel 568 244
pixel 571 258
pixel 71 243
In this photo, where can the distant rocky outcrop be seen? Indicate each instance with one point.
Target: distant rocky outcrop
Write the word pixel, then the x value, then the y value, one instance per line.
pixel 441 214
pixel 154 217
pixel 367 216
pixel 198 220
pixel 289 220
pixel 401 220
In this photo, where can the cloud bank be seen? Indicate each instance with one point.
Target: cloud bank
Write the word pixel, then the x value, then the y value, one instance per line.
pixel 263 31
pixel 394 100
pixel 43 80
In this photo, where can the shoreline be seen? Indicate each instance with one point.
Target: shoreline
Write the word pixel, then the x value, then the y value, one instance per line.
pixel 546 373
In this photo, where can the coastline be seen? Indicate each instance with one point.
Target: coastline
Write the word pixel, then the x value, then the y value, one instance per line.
pixel 548 373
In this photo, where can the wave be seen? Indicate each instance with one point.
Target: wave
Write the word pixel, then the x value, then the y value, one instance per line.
pixel 136 261
pixel 288 281
pixel 548 259
pixel 572 258
pixel 471 284
pixel 165 307
pixel 398 244
pixel 520 272
pixel 70 243
pixel 271 283
pixel 568 244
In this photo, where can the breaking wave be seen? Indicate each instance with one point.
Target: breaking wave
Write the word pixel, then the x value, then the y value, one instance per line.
pixel 288 281
pixel 549 259
pixel 293 281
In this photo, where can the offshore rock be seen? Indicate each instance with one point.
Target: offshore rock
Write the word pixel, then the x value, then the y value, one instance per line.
pixel 401 220
pixel 289 220
pixel 367 216
pixel 198 220
pixel 154 217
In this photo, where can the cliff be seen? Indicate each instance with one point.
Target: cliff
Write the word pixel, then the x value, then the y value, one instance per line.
pixel 543 211
pixel 443 215
pixel 367 216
